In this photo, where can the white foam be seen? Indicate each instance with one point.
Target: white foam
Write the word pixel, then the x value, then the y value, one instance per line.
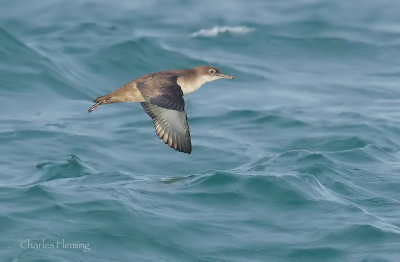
pixel 217 30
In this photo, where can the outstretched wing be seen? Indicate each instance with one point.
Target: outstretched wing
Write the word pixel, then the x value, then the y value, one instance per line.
pixel 166 107
pixel 162 91
pixel 171 126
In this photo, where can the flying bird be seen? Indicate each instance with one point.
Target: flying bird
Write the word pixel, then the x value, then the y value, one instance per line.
pixel 161 96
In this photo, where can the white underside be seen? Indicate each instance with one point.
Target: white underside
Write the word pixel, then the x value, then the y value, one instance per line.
pixel 189 87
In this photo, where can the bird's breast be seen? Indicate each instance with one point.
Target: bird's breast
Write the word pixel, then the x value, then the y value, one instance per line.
pixel 188 86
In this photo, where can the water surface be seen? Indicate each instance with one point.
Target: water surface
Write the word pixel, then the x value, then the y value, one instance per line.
pixel 296 159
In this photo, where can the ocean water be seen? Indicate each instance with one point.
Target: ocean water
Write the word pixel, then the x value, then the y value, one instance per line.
pixel 296 159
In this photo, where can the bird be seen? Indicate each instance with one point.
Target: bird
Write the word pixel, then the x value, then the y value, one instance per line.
pixel 161 96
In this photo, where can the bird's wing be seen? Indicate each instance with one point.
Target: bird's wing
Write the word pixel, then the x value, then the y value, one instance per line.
pixel 162 91
pixel 165 105
pixel 171 126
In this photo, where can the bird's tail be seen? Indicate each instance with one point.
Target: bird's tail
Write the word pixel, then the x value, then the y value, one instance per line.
pixel 100 101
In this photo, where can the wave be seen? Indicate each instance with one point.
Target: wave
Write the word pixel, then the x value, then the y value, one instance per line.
pixel 218 30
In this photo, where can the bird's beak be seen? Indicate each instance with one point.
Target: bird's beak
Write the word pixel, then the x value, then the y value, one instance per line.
pixel 221 75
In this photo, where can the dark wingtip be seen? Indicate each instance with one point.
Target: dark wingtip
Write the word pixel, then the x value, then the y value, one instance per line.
pixel 187 150
pixel 184 150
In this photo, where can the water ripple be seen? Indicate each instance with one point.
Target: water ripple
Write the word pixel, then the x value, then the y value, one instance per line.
pixel 218 30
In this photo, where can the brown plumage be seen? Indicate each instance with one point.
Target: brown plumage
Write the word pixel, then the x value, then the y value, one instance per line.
pixel 161 95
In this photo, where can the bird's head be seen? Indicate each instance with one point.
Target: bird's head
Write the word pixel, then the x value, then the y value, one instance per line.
pixel 192 79
pixel 210 73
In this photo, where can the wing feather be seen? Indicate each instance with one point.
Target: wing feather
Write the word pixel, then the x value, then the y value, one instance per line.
pixel 171 126
pixel 162 91
pixel 165 105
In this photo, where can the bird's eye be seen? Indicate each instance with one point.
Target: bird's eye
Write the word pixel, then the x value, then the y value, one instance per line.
pixel 211 71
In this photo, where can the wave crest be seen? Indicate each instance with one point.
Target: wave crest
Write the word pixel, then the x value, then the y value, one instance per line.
pixel 217 30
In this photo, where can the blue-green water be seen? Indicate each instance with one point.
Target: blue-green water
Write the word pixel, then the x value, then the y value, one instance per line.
pixel 297 159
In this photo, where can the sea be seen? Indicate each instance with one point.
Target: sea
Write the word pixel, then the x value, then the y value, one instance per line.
pixel 296 159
